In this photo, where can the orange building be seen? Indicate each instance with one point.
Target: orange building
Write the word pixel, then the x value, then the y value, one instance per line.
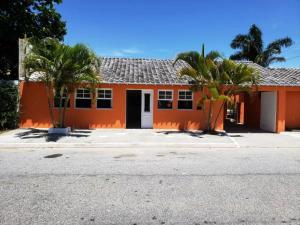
pixel 147 93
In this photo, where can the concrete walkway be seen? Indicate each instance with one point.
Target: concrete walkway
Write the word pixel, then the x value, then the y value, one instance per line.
pixel 136 138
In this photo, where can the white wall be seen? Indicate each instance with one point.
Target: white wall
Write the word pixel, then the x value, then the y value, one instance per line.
pixel 268 111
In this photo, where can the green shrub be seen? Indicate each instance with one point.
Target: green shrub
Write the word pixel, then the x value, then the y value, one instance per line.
pixel 9 101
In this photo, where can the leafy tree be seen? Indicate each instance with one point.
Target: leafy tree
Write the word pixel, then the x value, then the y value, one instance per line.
pixel 9 99
pixel 25 18
pixel 222 78
pixel 61 68
pixel 252 48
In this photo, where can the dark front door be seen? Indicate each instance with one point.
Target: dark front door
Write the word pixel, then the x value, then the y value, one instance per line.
pixel 133 109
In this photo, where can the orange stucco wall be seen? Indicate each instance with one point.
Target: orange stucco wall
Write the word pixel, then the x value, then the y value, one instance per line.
pixel 292 110
pixel 35 113
pixel 288 107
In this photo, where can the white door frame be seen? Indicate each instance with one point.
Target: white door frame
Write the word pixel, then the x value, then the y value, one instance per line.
pixel 147 117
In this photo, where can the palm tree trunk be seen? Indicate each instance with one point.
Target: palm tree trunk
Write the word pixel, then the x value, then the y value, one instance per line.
pixel 210 112
pixel 50 105
pixel 60 111
pixel 64 110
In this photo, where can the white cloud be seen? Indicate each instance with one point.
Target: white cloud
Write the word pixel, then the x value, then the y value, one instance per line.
pixel 132 51
pixel 117 53
pixel 126 51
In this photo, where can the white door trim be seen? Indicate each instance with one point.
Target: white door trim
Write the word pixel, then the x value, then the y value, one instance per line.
pixel 147 116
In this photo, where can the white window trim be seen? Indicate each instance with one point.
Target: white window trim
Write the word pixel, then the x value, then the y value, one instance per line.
pixel 165 99
pixel 83 97
pixel 185 95
pixel 158 99
pixel 186 100
pixel 75 97
pixel 111 98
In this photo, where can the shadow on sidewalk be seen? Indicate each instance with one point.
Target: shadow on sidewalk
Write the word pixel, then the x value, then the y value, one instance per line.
pixel 231 127
pixel 197 134
pixel 33 133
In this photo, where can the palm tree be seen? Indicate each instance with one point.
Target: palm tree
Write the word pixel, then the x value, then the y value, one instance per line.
pixel 221 77
pixel 79 66
pixel 61 68
pixel 237 78
pixel 252 48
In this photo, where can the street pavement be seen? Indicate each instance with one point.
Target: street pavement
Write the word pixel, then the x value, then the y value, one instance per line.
pixel 149 177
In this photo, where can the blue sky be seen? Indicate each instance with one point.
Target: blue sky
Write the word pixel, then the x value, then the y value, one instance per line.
pixel 162 28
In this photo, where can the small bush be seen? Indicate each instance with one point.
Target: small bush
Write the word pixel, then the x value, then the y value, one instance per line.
pixel 9 101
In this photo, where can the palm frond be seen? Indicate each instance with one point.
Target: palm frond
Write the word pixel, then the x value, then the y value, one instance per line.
pixel 188 71
pixel 255 36
pixel 192 58
pixel 252 47
pixel 214 55
pixel 276 59
pixel 275 46
pixel 240 41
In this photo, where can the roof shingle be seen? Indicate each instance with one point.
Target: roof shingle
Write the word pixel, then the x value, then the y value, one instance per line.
pixel 142 71
pixel 155 71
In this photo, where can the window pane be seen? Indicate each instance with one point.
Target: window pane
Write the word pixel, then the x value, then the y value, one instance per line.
pixel 169 97
pixel 57 94
pixel 161 95
pixel 87 95
pixel 181 95
pixel 101 95
pixel 185 104
pixel 169 94
pixel 83 103
pixel 162 104
pixel 103 104
pixel 79 94
pixel 108 94
pixel 56 103
pixel 189 95
pixel 147 103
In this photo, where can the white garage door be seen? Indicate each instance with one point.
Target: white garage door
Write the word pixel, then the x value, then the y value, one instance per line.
pixel 268 111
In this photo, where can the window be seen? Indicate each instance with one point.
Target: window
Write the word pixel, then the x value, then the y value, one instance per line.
pixel 185 100
pixel 104 99
pixel 165 99
pixel 83 98
pixel 146 102
pixel 57 99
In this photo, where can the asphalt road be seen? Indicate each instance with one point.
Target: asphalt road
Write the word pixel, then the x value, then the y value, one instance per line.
pixel 150 185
